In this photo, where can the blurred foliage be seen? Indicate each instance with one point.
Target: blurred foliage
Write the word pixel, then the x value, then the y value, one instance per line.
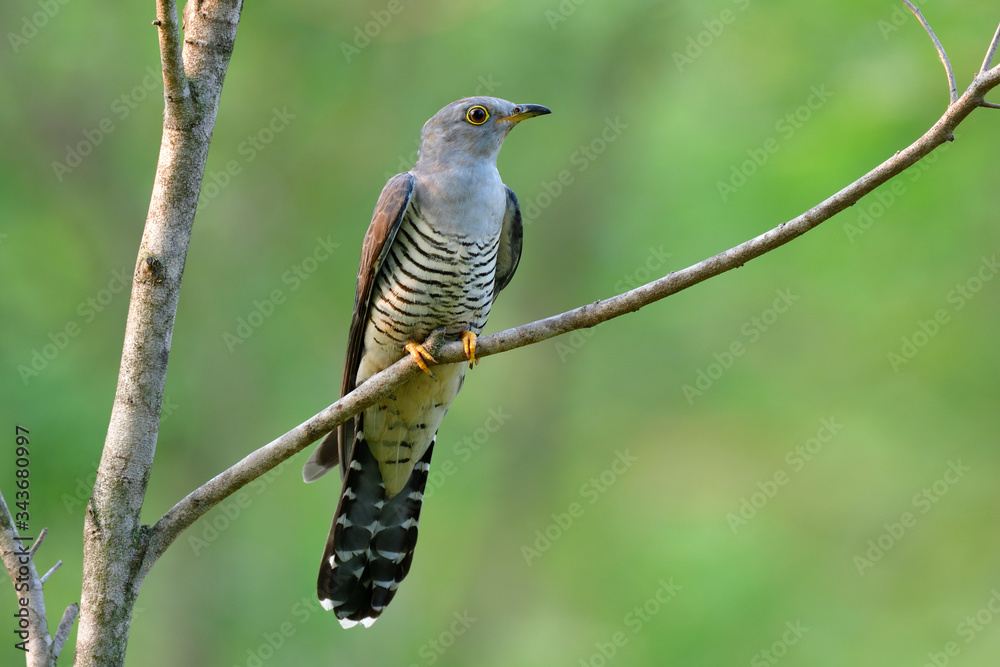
pixel 307 133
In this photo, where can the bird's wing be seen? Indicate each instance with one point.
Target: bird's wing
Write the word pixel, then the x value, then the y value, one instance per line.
pixel 389 212
pixel 509 253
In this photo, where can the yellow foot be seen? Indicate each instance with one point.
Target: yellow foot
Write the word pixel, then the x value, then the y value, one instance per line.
pixel 418 353
pixel 469 343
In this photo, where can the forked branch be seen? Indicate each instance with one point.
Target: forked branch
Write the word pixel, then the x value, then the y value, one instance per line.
pixel 184 513
pixel 31 623
pixel 988 62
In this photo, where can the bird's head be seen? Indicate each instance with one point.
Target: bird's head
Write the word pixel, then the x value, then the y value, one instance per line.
pixel 472 128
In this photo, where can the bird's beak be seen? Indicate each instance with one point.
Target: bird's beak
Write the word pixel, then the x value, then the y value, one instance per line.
pixel 523 111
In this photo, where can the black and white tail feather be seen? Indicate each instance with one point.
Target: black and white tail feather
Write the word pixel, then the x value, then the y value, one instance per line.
pixel 371 542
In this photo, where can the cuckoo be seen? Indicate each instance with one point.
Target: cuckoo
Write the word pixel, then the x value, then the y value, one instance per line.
pixel 444 239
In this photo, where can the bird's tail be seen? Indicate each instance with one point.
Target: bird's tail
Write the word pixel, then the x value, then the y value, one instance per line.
pixel 371 542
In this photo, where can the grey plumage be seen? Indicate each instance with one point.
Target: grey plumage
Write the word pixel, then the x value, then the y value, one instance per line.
pixel 445 238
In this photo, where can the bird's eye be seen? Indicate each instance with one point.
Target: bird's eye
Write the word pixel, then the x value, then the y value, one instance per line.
pixel 477 115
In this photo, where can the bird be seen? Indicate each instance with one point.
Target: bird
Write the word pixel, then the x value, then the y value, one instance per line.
pixel 444 240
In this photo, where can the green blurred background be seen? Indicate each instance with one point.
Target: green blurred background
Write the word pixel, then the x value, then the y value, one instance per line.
pixel 645 563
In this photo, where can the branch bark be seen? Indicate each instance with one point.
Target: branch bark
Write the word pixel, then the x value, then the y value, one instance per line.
pixel 199 501
pixel 18 558
pixel 114 537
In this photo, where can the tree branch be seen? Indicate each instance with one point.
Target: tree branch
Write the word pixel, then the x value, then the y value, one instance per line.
pixel 38 541
pixel 52 570
pixel 62 632
pixel 176 92
pixel 114 537
pixel 202 499
pixel 20 566
pixel 988 61
pixel 952 88
pixel 990 52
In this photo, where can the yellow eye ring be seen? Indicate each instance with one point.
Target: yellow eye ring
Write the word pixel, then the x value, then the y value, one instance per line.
pixel 477 115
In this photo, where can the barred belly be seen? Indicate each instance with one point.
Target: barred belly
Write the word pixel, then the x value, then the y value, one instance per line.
pixel 428 281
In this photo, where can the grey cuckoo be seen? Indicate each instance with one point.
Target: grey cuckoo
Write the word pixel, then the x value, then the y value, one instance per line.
pixel 444 239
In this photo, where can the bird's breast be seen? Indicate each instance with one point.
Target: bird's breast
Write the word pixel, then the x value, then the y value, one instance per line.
pixel 430 279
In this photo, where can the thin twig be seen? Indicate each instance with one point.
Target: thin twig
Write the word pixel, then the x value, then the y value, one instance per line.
pixel 176 91
pixel 52 570
pixel 8 537
pixel 202 499
pixel 988 60
pixel 21 569
pixel 952 88
pixel 62 632
pixel 38 542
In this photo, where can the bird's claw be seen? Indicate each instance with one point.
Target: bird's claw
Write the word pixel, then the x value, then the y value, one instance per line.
pixel 419 353
pixel 469 344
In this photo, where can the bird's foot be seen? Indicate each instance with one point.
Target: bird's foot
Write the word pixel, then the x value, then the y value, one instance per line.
pixel 469 344
pixel 419 353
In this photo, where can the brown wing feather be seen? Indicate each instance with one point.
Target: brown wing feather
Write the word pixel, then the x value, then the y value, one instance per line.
pixel 389 212
pixel 509 253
